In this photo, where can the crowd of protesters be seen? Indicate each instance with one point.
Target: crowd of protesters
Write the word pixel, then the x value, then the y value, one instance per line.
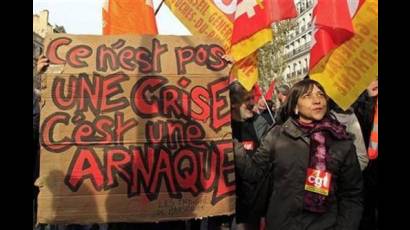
pixel 281 153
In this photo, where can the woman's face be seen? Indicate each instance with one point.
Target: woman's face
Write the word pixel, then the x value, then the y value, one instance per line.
pixel 312 106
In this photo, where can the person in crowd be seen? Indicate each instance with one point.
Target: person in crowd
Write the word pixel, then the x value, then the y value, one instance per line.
pixel 349 119
pixel 283 92
pixel 365 108
pixel 247 129
pixel 317 182
pixel 263 117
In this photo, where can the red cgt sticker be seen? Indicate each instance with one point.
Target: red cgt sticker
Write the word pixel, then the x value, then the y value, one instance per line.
pixel 318 181
pixel 248 145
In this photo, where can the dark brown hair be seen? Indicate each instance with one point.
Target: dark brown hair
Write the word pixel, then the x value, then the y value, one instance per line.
pixel 237 93
pixel 299 89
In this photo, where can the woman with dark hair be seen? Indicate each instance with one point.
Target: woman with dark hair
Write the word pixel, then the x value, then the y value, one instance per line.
pixel 317 182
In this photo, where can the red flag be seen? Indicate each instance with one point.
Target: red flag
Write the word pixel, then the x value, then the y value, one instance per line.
pixel 129 17
pixel 252 29
pixel 252 25
pixel 257 93
pixel 333 26
pixel 269 93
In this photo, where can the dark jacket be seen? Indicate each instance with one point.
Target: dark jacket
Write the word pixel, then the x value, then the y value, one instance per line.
pixel 248 134
pixel 261 123
pixel 364 110
pixel 287 147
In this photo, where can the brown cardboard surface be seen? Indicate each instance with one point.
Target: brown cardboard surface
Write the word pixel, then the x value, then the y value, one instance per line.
pixel 146 138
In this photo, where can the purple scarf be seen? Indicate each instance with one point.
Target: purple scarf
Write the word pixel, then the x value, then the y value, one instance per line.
pixel 319 133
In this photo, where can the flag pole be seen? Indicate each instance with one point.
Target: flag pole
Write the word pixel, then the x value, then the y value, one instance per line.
pixel 269 109
pixel 159 7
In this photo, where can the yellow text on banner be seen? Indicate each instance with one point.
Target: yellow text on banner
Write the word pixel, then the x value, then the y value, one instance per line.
pixel 349 69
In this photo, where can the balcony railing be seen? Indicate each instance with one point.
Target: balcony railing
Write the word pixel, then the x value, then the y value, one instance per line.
pixel 300 30
pixel 301 48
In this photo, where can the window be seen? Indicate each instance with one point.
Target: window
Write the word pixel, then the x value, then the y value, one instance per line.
pixel 287 70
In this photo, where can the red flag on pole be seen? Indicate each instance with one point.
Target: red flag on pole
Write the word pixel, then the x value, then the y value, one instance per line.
pixel 269 93
pixel 333 26
pixel 252 25
pixel 252 29
pixel 257 93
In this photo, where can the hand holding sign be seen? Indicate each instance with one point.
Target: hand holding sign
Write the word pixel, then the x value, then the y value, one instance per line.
pixel 42 64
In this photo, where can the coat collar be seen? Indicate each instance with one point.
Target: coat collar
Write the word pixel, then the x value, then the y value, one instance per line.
pixel 291 129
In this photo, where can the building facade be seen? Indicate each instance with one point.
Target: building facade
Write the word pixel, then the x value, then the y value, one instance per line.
pixel 41 27
pixel 297 50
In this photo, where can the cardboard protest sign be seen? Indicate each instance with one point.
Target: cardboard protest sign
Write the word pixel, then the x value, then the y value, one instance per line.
pixel 134 129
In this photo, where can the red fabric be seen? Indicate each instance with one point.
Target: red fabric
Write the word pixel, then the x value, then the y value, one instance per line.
pixel 333 25
pixel 269 93
pixel 260 16
pixel 257 93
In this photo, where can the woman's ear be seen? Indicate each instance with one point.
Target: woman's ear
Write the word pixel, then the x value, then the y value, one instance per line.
pixel 296 111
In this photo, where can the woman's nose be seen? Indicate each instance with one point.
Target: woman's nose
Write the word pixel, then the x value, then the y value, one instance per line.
pixel 316 99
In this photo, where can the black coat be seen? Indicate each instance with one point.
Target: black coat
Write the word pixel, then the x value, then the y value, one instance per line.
pixel 247 131
pixel 287 147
